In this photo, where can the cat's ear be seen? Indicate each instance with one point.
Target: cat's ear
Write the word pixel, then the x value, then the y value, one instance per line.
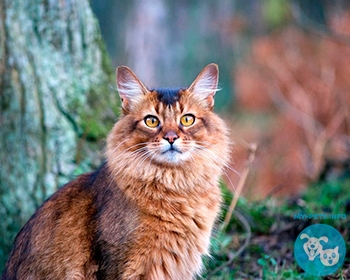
pixel 130 88
pixel 205 85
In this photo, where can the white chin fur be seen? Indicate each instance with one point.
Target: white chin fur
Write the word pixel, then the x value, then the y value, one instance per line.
pixel 173 156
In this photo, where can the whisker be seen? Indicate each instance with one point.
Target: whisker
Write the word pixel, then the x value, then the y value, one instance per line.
pixel 230 181
pixel 227 165
pixel 116 147
pixel 215 156
pixel 134 156
pixel 204 152
pixel 127 154
pixel 144 157
pixel 144 151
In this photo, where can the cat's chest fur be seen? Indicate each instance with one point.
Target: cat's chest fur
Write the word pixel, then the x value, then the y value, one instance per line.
pixel 175 216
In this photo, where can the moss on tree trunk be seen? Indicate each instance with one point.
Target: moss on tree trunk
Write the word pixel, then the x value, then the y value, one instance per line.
pixel 55 102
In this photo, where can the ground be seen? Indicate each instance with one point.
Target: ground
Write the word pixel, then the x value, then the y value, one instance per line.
pixel 265 232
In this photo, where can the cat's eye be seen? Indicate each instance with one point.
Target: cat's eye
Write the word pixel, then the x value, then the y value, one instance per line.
pixel 151 121
pixel 187 120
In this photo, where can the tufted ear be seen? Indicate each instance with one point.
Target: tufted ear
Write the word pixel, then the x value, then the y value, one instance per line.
pixel 205 85
pixel 130 88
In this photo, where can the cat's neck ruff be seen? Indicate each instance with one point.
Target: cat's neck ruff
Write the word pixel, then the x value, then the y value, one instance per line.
pixel 184 177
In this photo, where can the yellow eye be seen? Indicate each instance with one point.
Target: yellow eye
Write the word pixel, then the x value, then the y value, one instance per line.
pixel 151 121
pixel 187 120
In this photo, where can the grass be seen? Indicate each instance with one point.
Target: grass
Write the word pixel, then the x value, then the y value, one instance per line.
pixel 265 231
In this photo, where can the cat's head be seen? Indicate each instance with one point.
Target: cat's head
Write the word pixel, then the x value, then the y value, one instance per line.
pixel 169 127
pixel 330 257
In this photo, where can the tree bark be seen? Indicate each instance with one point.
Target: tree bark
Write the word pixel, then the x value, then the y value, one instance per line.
pixel 55 103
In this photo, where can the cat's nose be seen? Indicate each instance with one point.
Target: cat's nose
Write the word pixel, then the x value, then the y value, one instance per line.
pixel 171 136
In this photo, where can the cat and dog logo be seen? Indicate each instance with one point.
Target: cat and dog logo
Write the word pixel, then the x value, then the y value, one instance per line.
pixel 320 250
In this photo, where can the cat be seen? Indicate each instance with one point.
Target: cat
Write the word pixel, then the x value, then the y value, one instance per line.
pixel 330 257
pixel 149 210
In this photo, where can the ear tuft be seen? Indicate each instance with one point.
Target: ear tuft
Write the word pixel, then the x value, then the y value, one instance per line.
pixel 205 85
pixel 130 88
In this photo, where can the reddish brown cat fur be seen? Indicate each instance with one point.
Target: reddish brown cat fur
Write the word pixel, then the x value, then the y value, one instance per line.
pixel 148 212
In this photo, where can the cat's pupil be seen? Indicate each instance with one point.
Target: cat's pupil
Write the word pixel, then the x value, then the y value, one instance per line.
pixel 325 256
pixel 333 255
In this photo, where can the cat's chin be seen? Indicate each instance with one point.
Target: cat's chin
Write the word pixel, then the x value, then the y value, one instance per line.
pixel 172 157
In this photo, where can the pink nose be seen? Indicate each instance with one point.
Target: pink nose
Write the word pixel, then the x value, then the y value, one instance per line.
pixel 171 136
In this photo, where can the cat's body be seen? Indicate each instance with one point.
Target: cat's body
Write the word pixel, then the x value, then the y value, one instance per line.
pixel 148 212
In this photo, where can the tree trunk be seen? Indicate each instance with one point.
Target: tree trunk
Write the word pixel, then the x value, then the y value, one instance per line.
pixel 55 103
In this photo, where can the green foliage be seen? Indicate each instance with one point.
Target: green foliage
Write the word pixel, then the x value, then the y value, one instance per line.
pixel 269 254
pixel 275 12
pixel 331 197
pixel 271 270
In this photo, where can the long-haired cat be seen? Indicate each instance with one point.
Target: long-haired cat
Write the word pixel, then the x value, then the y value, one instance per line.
pixel 148 212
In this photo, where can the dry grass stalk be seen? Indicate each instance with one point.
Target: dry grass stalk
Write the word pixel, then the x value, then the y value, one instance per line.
pixel 252 150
